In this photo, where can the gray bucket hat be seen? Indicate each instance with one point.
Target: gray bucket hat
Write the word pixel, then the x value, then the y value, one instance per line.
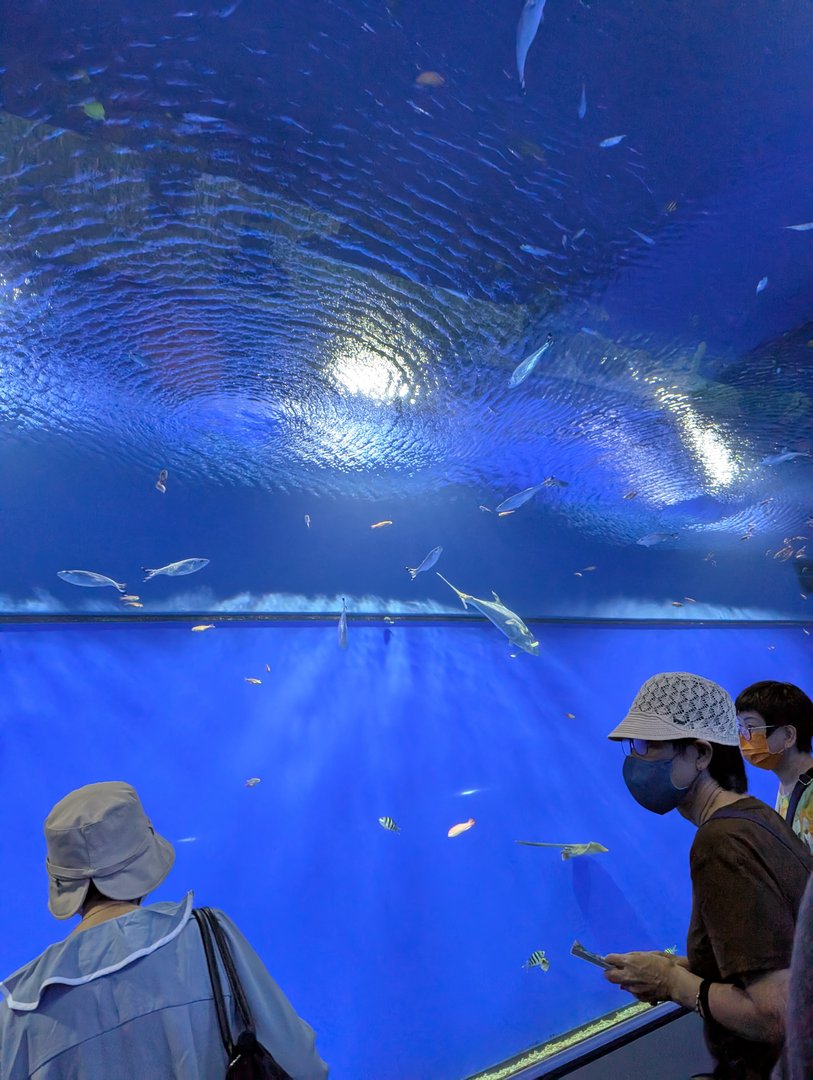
pixel 678 705
pixel 100 834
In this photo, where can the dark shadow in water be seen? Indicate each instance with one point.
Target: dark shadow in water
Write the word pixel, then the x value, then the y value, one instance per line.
pixel 606 911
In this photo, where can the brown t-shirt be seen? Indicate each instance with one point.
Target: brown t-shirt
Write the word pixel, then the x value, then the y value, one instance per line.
pixel 746 890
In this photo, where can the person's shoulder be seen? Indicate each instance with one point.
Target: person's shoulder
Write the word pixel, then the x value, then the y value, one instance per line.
pixel 752 815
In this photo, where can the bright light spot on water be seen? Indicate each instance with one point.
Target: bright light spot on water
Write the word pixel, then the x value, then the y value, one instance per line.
pixel 704 439
pixel 358 369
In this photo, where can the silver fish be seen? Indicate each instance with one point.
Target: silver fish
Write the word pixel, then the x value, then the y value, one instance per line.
pixel 553 481
pixel 529 20
pixel 503 618
pixel 427 563
pixel 613 140
pixel 514 503
pixel 88 579
pixel 161 482
pixel 583 103
pixel 569 851
pixel 656 538
pixel 642 236
pixel 540 252
pixel 176 569
pixel 780 459
pixel 523 370
pixel 808 225
pixel 343 626
pixel 761 284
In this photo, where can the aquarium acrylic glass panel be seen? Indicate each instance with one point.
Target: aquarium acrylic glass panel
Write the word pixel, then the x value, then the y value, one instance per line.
pixel 295 258
pixel 405 950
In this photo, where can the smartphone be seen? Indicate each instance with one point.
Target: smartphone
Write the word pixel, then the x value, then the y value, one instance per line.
pixel 577 949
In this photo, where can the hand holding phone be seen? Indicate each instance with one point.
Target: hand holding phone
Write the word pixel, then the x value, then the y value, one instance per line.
pixel 577 949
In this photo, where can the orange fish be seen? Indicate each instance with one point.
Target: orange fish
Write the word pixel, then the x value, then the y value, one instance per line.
pixel 456 830
pixel 430 78
pixel 380 524
pixel 133 603
pixel 254 682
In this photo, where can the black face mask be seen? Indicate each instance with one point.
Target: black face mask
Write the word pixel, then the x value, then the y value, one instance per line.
pixel 650 784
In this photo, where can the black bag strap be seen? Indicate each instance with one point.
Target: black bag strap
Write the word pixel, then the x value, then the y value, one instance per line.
pixel 214 978
pixel 799 788
pixel 747 815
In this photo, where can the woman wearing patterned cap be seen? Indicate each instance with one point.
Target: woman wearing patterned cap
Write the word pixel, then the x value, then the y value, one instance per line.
pixel 127 995
pixel 748 869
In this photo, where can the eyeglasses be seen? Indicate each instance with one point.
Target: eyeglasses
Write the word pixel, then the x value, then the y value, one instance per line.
pixel 747 732
pixel 640 747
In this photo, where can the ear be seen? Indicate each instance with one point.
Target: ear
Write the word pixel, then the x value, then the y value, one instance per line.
pixel 704 752
pixel 789 735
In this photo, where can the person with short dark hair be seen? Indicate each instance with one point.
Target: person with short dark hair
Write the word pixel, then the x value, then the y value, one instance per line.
pixel 127 995
pixel 776 729
pixel 748 870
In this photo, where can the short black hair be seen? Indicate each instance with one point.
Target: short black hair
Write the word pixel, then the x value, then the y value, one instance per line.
pixel 780 703
pixel 726 765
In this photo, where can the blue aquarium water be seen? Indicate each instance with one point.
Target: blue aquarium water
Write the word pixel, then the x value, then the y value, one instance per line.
pixel 404 950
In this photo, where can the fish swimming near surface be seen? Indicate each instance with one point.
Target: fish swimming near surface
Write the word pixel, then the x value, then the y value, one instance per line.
pixel 583 103
pixel 642 236
pixel 552 481
pixel 537 959
pixel 253 781
pixel 506 621
pixel 507 506
pixel 88 580
pixel 651 539
pixel 161 482
pixel 761 285
pixel 388 824
pixel 540 252
pixel 771 459
pixel 569 851
pixel 203 626
pixel 527 27
pixel 613 140
pixel 427 563
pixel 176 569
pixel 523 370
pixel 343 626
pixel 464 826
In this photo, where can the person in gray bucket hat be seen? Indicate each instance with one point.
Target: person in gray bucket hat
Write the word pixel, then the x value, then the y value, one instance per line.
pixel 748 871
pixel 128 994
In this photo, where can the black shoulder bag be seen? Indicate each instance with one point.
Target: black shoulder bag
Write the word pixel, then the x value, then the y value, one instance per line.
pixel 247 1058
pixel 800 850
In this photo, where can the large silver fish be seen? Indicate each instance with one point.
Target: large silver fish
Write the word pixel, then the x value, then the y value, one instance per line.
pixel 506 621
pixel 176 569
pixel 523 370
pixel 88 579
pixel 507 506
pixel 529 20
pixel 427 563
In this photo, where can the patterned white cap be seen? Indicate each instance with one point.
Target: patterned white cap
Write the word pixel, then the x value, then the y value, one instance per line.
pixel 677 705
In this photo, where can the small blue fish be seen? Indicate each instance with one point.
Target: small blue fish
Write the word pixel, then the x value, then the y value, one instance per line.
pixel 343 626
pixel 427 563
pixel 642 236
pixel 583 103
pixel 614 140
pixel 529 20
pixel 509 505
pixel 523 370
pixel 761 285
